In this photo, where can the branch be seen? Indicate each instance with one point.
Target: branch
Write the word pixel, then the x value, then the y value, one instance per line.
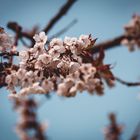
pixel 129 84
pixel 28 121
pixel 115 42
pixel 64 9
pixel 20 34
pixel 9 54
pixel 110 44
pixel 113 130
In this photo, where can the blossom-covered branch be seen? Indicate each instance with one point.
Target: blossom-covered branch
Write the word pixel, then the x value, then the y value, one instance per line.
pixel 113 130
pixel 65 67
pixel 28 128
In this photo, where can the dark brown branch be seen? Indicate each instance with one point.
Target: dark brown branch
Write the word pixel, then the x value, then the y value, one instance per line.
pixel 64 9
pixel 20 34
pixel 129 84
pixel 9 54
pixel 110 44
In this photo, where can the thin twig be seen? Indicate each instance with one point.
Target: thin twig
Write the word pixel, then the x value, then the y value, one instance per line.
pixel 129 84
pixel 65 29
pixel 136 133
pixel 63 10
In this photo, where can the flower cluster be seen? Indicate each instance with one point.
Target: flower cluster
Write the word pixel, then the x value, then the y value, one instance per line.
pixel 28 128
pixel 60 67
pixel 132 31
pixel 6 41
pixel 82 79
pixel 114 130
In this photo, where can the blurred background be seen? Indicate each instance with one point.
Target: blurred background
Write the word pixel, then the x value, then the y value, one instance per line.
pixel 84 116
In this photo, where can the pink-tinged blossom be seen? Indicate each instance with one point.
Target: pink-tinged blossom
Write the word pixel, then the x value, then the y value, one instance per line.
pixel 56 41
pixel 80 80
pixel 24 55
pixel 132 33
pixel 40 38
pixel 86 40
pixel 6 42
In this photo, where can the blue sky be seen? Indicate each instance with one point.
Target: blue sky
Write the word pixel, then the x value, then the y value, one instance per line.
pixel 84 116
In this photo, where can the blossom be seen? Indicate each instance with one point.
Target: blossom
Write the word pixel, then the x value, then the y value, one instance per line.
pixel 56 41
pixel 86 39
pixel 12 96
pixel 23 64
pixel 74 66
pixel 62 89
pixel 38 65
pixel 47 85
pixel 21 73
pixel 24 55
pixel 28 126
pixel 34 89
pixel 132 33
pixel 8 79
pixel 29 74
pixel 70 41
pixel 12 79
pixel 77 58
pixel 40 38
pixel 56 51
pixel 44 58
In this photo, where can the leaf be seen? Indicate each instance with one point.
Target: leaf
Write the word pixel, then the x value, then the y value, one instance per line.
pixel 99 60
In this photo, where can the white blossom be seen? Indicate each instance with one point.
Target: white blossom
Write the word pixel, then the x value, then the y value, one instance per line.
pixel 45 58
pixel 12 79
pixel 24 55
pixel 86 40
pixel 47 85
pixel 40 38
pixel 74 66
pixel 132 30
pixel 62 89
pixel 70 41
pixel 21 73
pixel 56 41
pixel 73 82
pixel 23 64
pixel 54 53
